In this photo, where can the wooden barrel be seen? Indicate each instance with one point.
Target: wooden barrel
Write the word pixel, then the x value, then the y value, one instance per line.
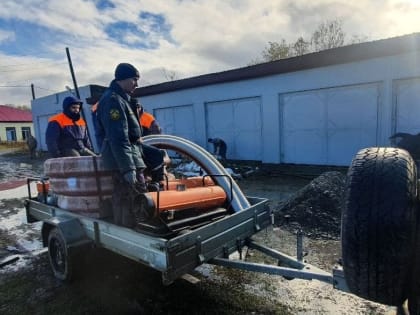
pixel 74 166
pixel 78 182
pixel 82 186
pixel 90 206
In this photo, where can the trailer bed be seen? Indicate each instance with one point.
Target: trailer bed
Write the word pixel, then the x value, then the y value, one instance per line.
pixel 174 256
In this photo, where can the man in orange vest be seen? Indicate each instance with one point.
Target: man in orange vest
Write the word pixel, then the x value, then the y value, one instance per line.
pixel 66 133
pixel 152 156
pixel 148 123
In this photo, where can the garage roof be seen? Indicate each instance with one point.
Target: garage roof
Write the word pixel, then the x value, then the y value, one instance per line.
pixel 340 55
pixel 12 114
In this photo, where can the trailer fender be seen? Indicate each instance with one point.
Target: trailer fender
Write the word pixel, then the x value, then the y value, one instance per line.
pixel 71 230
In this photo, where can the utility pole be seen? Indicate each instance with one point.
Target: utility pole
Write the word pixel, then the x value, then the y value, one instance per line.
pixel 77 91
pixel 33 91
pixel 72 73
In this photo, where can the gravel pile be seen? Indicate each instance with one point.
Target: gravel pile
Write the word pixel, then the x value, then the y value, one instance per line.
pixel 316 208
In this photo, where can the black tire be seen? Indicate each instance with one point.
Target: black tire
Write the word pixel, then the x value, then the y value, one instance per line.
pixel 379 224
pixel 414 294
pixel 62 263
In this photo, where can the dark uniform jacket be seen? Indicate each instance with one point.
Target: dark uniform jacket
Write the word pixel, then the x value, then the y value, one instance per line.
pixel 118 126
pixel 64 133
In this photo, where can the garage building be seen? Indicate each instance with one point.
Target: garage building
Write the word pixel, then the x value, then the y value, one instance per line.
pixel 315 109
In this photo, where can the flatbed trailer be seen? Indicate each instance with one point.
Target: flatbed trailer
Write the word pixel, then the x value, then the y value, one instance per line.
pixel 69 235
pixel 380 234
pixel 66 234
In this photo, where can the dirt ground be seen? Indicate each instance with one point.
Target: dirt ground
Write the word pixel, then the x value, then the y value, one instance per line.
pixel 114 285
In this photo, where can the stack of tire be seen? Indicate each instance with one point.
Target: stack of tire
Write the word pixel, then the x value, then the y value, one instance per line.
pixel 81 184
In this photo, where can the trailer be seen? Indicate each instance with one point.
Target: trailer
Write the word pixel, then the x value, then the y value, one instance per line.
pixel 191 242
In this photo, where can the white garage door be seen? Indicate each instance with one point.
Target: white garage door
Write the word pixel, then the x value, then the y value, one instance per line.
pixel 238 122
pixel 328 126
pixel 177 121
pixel 407 106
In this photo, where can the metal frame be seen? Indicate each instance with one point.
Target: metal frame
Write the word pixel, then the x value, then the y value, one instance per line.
pixel 212 243
pixel 176 256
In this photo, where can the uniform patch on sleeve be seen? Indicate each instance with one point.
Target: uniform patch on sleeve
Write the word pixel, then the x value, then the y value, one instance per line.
pixel 115 114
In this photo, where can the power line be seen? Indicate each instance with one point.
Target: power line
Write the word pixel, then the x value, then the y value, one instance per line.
pixel 13 86
pixel 32 63
pixel 27 86
pixel 29 69
pixel 41 88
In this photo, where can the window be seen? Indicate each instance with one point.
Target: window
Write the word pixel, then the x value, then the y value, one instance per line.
pixel 26 131
pixel 11 133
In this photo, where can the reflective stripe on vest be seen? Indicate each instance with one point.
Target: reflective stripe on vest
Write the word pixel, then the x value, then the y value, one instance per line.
pixel 64 121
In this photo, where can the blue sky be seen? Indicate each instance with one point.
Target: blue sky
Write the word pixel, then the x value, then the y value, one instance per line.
pixel 166 37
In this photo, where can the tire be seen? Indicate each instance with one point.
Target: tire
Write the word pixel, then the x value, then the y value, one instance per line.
pixel 379 224
pixel 414 294
pixel 62 262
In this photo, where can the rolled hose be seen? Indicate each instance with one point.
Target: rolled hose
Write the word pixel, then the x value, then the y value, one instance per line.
pixel 205 160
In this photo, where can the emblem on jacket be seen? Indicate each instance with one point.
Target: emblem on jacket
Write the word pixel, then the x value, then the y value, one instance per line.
pixel 115 114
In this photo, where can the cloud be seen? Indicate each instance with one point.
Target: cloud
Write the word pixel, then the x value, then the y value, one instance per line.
pixel 188 37
pixel 6 36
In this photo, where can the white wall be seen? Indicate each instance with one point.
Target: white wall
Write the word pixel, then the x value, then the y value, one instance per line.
pixel 380 96
pixel 384 74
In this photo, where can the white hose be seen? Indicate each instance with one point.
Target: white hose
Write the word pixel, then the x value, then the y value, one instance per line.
pixel 207 161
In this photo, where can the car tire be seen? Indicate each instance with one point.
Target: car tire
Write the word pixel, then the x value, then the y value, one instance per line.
pixel 379 224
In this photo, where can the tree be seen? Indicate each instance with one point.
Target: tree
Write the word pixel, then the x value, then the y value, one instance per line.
pixel 328 35
pixel 301 47
pixel 357 39
pixel 169 75
pixel 23 107
pixel 276 51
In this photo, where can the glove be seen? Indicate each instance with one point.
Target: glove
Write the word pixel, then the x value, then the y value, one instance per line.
pixel 130 177
pixel 87 152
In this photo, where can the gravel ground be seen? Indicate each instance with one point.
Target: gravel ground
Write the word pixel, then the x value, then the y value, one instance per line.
pixel 120 286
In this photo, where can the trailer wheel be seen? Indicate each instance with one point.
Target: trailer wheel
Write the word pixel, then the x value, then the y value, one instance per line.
pixel 62 263
pixel 379 224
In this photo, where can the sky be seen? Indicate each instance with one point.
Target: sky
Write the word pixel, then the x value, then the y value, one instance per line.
pixel 166 39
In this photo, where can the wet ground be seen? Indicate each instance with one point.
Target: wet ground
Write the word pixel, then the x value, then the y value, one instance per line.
pixel 114 285
pixel 17 166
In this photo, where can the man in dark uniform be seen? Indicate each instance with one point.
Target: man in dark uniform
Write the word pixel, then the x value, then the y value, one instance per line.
pixel 219 146
pixel 118 126
pixel 32 145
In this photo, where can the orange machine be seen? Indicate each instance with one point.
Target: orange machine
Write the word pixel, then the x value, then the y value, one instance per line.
pixel 185 198
pixel 190 182
pixel 174 210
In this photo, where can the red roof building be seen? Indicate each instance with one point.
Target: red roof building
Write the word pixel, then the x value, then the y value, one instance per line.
pixel 15 124
pixel 12 114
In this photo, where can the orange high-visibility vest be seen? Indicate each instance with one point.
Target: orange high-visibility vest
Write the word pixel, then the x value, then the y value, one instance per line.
pixel 64 121
pixel 146 120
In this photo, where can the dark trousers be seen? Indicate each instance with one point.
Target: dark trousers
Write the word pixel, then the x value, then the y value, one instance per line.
pixel 153 158
pixel 122 201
